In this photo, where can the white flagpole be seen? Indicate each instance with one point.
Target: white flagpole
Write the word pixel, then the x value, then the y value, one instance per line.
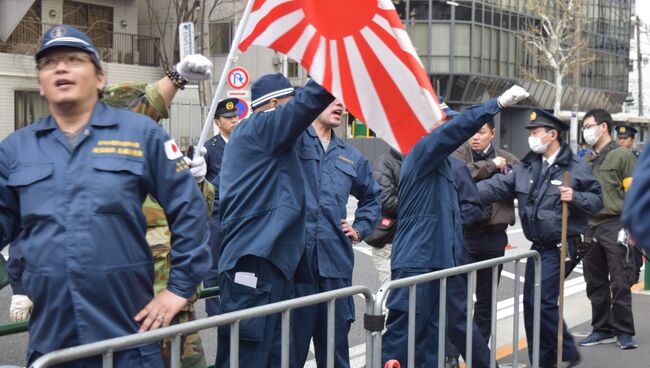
pixel 232 57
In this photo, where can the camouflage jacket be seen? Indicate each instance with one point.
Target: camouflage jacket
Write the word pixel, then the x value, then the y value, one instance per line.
pixel 145 99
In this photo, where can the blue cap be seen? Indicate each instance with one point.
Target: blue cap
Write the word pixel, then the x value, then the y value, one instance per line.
pixel 625 131
pixel 227 108
pixel 541 118
pixel 268 87
pixel 66 36
pixel 448 110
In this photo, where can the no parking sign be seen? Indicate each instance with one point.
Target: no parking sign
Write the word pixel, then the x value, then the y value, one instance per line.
pixel 242 109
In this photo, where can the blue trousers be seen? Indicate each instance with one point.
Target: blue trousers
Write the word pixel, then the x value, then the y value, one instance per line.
pixel 549 309
pixel 457 324
pixel 146 356
pixel 395 340
pixel 311 322
pixel 211 279
pixel 259 338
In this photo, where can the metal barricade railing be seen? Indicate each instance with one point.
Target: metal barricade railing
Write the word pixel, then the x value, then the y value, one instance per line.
pixel 442 275
pixel 23 326
pixel 373 320
pixel 106 348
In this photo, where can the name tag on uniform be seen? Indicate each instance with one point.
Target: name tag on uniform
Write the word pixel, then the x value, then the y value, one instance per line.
pixel 556 182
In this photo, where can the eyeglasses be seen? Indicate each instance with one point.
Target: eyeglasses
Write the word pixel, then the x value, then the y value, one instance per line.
pixel 73 59
pixel 585 127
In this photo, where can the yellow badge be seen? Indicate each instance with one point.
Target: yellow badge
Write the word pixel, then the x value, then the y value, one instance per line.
pixel 230 106
pixel 343 158
pixel 621 130
pixel 533 116
pixel 627 182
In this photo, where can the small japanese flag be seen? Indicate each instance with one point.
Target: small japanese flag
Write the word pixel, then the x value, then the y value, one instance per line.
pixel 172 151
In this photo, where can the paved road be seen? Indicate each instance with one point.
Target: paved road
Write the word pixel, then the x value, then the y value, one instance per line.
pixel 13 348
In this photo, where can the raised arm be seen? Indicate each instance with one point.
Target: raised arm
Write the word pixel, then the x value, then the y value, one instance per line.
pixel 284 125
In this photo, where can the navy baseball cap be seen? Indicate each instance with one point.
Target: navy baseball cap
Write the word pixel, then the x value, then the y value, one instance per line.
pixel 268 87
pixel 625 131
pixel 448 110
pixel 541 118
pixel 64 35
pixel 227 108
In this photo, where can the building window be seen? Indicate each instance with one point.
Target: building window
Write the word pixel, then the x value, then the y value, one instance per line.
pixel 96 20
pixel 293 69
pixel 28 106
pixel 220 37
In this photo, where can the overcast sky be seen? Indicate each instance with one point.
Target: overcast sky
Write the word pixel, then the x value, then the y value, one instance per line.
pixel 643 9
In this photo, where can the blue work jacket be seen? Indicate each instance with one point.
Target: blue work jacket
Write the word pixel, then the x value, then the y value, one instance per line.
pixel 540 208
pixel 429 233
pixel 213 158
pixel 261 191
pixel 471 208
pixel 330 178
pixel 77 214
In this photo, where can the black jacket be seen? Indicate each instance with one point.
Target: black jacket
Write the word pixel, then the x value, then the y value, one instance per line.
pixel 386 171
pixel 540 208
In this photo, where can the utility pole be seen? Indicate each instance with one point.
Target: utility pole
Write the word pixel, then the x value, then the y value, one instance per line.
pixel 573 136
pixel 639 63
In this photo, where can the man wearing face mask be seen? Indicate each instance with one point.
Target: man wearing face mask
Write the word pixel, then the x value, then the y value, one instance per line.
pixel 537 185
pixel 609 265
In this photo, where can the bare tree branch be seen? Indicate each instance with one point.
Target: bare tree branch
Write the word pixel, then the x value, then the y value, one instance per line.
pixel 555 36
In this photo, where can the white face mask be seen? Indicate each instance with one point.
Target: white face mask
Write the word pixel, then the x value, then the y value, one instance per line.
pixel 591 136
pixel 536 145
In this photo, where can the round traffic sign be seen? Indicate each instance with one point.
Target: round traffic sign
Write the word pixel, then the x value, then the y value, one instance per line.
pixel 242 109
pixel 238 78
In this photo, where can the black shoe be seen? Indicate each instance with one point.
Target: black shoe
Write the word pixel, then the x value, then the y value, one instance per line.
pixel 572 362
pixel 451 362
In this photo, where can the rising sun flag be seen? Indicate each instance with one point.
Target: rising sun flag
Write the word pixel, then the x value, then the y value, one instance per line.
pixel 359 51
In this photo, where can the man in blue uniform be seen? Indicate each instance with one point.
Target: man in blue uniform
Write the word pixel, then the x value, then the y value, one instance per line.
pixel 536 183
pixel 226 119
pixel 626 137
pixel 429 234
pixel 333 171
pixel 262 208
pixel 71 192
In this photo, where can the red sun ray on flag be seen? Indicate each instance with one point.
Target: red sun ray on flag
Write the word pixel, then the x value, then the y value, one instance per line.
pixel 359 51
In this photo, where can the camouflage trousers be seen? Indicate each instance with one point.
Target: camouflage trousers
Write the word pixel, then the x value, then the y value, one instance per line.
pixel 192 354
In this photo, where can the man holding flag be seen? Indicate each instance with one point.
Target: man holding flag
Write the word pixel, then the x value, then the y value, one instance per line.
pixel 263 213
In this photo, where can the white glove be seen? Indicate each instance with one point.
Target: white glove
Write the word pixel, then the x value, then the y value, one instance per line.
pixel 512 96
pixel 21 308
pixel 198 166
pixel 195 67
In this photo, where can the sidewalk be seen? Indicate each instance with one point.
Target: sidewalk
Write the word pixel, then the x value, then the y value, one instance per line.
pixel 609 355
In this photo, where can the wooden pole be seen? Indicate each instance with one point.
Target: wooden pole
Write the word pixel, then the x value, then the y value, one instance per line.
pixel 563 250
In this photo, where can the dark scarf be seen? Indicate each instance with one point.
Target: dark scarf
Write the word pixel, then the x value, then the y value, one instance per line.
pixel 480 156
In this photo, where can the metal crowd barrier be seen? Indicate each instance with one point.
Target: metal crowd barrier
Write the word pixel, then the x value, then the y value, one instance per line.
pixel 23 326
pixel 442 275
pixel 106 348
pixel 374 320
